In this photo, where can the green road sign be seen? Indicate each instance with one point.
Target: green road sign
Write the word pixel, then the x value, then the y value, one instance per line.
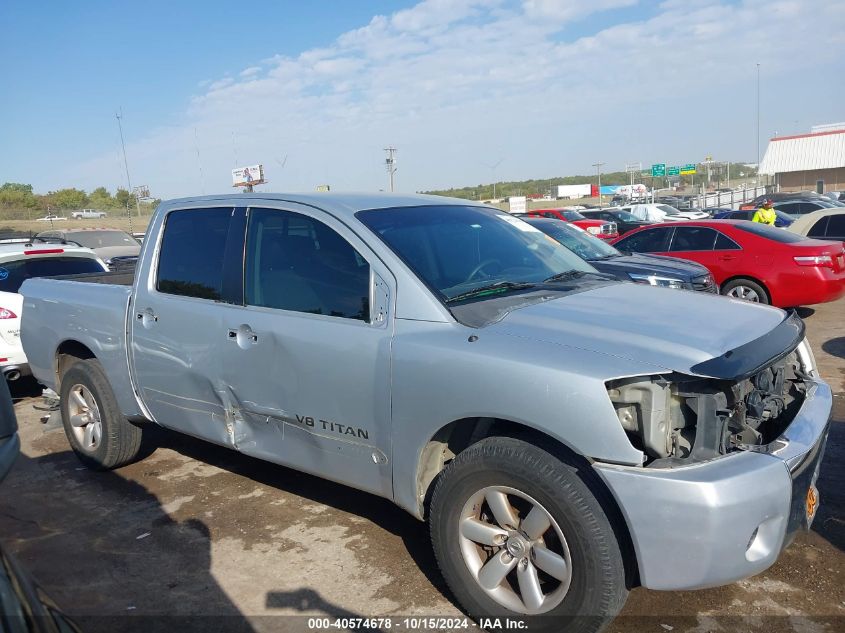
pixel 687 170
pixel 674 170
pixel 658 169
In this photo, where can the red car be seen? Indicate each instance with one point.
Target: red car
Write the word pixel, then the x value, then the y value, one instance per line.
pixel 750 261
pixel 599 228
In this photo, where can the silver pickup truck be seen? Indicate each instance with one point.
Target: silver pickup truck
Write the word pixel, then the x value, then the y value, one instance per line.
pixel 566 436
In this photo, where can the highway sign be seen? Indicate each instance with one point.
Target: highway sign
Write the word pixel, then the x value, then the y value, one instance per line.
pixel 687 170
pixel 674 170
pixel 658 169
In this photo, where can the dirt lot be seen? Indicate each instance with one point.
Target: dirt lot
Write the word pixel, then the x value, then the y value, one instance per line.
pixel 193 529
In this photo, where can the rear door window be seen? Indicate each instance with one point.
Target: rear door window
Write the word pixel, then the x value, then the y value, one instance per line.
pixel 192 253
pixel 648 241
pixel 14 273
pixel 693 238
pixel 297 263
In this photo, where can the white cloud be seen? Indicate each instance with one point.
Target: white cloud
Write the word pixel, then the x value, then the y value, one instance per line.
pixel 455 84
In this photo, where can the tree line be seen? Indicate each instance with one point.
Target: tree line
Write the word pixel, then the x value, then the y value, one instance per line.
pixel 542 186
pixel 19 201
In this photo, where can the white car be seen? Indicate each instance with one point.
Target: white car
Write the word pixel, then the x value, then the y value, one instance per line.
pixel 50 218
pixel 656 212
pixel 87 213
pixel 18 262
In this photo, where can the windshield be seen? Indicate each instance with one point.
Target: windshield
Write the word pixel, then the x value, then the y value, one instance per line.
pixel 667 209
pixel 579 242
pixel 101 239
pixel 572 216
pixel 624 216
pixel 458 249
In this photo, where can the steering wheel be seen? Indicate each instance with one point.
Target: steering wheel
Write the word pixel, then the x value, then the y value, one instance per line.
pixel 481 266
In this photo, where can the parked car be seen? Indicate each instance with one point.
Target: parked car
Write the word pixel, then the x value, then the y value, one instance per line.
pixel 87 213
pixel 782 219
pixel 779 196
pixel 549 423
pixel 22 261
pixel 658 212
pixel 797 208
pixel 826 224
pixel 117 248
pixel 24 606
pixel 751 261
pixel 653 270
pixel 50 217
pixel 599 228
pixel 624 220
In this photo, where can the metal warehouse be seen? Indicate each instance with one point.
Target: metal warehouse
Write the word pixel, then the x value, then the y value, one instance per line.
pixel 814 161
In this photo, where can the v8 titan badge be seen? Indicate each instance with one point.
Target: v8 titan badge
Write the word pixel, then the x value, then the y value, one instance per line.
pixel 811 504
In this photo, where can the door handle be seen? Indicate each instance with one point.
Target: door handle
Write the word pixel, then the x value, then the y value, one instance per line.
pixel 243 336
pixel 146 317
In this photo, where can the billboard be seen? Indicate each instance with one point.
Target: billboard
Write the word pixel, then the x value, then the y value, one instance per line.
pixel 517 204
pixel 251 175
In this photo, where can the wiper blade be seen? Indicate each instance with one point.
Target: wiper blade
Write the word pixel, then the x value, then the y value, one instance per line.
pixel 565 276
pixel 490 289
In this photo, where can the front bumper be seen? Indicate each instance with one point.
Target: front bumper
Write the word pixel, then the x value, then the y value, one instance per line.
pixel 717 522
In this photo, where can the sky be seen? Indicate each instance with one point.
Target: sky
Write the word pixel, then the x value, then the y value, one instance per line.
pixel 468 91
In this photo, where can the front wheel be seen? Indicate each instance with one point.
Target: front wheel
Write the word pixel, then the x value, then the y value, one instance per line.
pixel 517 533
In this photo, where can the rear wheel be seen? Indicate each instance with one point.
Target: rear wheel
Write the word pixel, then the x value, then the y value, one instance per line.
pixel 98 432
pixel 745 289
pixel 517 533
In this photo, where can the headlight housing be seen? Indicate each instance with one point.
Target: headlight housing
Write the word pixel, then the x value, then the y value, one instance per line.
pixel 656 280
pixel 594 230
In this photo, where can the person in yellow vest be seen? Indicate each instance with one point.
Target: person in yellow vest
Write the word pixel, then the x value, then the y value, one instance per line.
pixel 765 214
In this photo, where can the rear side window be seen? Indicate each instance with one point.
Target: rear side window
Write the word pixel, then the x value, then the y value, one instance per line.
pixel 741 215
pixel 648 241
pixel 693 238
pixel 14 273
pixel 192 253
pixel 818 229
pixel 836 226
pixel 724 243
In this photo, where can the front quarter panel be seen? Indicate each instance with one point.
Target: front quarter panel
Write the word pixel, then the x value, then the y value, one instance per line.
pixel 439 377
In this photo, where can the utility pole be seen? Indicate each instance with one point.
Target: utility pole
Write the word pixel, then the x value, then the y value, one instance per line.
pixel 126 163
pixel 633 168
pixel 598 167
pixel 758 118
pixel 390 163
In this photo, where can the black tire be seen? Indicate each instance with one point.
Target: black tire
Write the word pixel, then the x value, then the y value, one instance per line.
pixel 120 440
pixel 597 590
pixel 744 282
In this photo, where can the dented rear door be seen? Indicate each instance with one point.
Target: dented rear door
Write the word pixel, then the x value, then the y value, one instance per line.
pixel 177 328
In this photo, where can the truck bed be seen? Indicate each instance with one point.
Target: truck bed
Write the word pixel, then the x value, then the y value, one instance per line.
pixel 90 309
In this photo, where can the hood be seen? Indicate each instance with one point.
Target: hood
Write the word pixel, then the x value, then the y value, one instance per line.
pixel 672 329
pixel 107 252
pixel 650 265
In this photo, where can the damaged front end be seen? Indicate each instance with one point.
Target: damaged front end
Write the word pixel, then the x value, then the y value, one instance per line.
pixel 742 400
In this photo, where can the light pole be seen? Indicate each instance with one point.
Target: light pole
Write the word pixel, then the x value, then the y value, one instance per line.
pixel 598 167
